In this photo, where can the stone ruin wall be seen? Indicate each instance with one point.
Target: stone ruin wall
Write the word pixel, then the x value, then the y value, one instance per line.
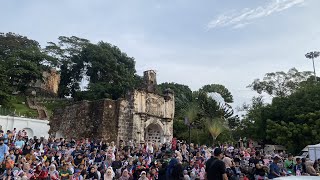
pixel 125 127
pixel 85 119
pixel 127 119
pixel 51 81
pixel 48 86
pixel 152 109
pixel 124 119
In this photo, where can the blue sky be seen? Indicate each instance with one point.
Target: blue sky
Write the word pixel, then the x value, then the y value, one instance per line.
pixel 228 42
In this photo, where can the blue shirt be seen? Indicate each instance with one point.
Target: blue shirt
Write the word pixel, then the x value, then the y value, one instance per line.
pixel 19 143
pixel 274 168
pixel 3 151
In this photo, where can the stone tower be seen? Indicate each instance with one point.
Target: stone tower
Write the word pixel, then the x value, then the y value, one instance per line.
pixel 150 81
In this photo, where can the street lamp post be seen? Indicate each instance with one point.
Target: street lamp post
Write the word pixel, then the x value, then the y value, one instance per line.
pixel 188 123
pixel 312 55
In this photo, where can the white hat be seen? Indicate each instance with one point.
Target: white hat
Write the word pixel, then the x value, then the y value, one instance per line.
pixel 143 172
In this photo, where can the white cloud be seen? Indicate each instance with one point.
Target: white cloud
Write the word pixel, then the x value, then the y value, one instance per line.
pixel 246 16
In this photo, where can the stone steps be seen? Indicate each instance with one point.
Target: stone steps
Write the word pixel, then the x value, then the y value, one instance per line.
pixel 42 111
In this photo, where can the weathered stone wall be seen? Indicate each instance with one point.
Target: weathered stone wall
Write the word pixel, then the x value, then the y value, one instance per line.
pixel 153 104
pixel 49 84
pixel 51 81
pixel 108 124
pixel 72 121
pixel 85 119
pixel 125 121
pixel 153 110
pixel 150 81
pixel 142 116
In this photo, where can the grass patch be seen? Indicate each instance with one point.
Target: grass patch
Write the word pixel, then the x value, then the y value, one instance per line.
pixel 21 108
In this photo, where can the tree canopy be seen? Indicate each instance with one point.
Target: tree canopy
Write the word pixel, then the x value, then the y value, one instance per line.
pixel 22 62
pixel 291 119
pixel 280 83
pixel 109 72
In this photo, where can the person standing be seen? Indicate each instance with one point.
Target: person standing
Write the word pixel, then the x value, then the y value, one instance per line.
pixel 215 167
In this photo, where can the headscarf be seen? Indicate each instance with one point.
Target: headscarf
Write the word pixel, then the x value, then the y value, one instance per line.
pixel 123 177
pixel 52 166
pixel 227 161
pixel 53 173
pixel 107 175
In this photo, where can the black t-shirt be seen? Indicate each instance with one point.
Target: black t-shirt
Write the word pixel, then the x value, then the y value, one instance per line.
pixel 116 165
pixel 261 171
pixel 215 168
pixel 92 175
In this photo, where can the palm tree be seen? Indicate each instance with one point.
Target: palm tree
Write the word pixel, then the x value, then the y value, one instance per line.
pixel 312 55
pixel 215 126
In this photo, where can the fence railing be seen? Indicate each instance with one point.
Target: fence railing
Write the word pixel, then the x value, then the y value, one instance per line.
pixel 13 112
pixel 44 99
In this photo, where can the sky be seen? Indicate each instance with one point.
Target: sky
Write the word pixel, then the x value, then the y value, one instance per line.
pixel 228 42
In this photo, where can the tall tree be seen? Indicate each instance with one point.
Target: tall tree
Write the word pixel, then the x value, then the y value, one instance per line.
pixel 111 72
pixel 5 88
pixel 22 59
pixel 292 121
pixel 65 55
pixel 253 123
pixel 280 84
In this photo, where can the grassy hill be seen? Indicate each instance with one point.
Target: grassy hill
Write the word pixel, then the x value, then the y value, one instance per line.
pixel 19 107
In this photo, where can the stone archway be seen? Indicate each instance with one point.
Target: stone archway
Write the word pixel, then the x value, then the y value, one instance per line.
pixel 29 132
pixel 154 133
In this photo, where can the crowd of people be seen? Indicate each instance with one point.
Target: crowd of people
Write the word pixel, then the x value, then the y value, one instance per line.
pixel 26 158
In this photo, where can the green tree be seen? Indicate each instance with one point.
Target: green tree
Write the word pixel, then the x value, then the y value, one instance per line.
pixel 183 96
pixel 65 55
pixel 111 72
pixel 5 88
pixel 212 105
pixel 280 84
pixel 294 120
pixel 198 106
pixel 253 123
pixel 220 89
pixel 22 60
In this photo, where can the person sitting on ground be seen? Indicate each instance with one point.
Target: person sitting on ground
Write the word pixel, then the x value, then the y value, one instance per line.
pixel 310 169
pixel 297 168
pixel 275 170
pixel 289 163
